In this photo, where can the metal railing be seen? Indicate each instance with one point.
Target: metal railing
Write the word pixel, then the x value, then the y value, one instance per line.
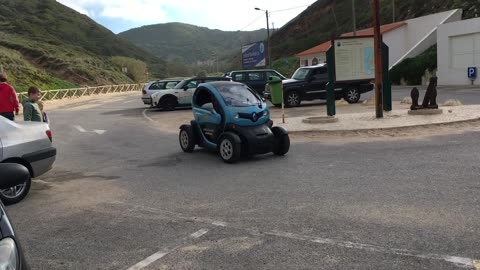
pixel 84 91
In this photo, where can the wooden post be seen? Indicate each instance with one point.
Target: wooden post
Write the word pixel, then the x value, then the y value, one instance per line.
pixel 378 60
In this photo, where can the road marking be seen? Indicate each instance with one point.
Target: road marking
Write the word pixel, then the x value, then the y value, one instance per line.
pixel 459 261
pixel 130 101
pixel 149 260
pixel 98 131
pixel 160 254
pixel 199 233
pixel 146 116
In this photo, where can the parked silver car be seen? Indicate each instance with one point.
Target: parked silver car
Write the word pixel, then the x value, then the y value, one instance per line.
pixel 155 86
pixel 28 144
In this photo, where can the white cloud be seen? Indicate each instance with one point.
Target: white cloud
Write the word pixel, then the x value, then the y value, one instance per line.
pixel 216 14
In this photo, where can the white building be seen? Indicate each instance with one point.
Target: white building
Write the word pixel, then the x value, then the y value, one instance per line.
pixel 405 39
pixel 458 48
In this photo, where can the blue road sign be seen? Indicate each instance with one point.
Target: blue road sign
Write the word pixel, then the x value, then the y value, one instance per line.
pixel 472 72
pixel 253 55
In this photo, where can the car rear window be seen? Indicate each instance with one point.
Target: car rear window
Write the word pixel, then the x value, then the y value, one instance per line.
pixel 239 77
pixel 157 86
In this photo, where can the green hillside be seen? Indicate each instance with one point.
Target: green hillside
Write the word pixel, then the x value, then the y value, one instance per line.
pixel 45 43
pixel 189 43
pixel 316 24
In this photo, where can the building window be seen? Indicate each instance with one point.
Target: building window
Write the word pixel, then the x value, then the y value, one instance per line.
pixel 305 63
pixel 314 61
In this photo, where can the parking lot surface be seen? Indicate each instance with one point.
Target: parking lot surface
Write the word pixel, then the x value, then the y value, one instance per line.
pixel 124 196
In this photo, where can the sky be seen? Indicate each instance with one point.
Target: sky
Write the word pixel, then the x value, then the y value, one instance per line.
pixel 228 15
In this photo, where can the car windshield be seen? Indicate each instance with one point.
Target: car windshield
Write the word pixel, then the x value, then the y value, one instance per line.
pixel 301 74
pixel 238 96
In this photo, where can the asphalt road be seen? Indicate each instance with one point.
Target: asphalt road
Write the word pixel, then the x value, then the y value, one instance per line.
pixel 124 196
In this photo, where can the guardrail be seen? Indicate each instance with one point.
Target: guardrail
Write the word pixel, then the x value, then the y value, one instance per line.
pixel 84 91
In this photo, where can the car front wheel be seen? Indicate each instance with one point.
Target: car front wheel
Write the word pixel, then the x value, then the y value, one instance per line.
pixel 352 95
pixel 230 150
pixel 15 194
pixel 292 99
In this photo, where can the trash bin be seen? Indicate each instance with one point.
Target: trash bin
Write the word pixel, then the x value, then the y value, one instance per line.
pixel 276 91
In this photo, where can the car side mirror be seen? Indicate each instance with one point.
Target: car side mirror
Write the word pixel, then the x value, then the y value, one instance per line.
pixel 310 79
pixel 185 88
pixel 13 175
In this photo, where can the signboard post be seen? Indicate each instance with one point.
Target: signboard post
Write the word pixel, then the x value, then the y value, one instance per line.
pixel 378 59
pixel 254 55
pixel 472 73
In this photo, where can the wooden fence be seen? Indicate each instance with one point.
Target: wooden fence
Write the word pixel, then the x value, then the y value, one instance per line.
pixel 85 91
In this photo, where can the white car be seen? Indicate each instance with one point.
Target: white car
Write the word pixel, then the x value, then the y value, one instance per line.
pixel 28 144
pixel 155 86
pixel 181 95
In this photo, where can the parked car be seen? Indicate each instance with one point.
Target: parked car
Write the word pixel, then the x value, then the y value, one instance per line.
pixel 154 86
pixel 181 95
pixel 309 83
pixel 255 79
pixel 30 145
pixel 11 254
pixel 231 118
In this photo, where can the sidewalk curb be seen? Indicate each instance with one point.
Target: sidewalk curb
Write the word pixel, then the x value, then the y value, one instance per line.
pixel 401 128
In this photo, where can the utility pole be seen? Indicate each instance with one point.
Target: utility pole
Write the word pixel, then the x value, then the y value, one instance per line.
pixel 354 19
pixel 393 10
pixel 378 59
pixel 268 41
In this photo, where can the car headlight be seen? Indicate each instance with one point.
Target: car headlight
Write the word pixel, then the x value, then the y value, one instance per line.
pixel 265 113
pixel 236 116
pixel 8 254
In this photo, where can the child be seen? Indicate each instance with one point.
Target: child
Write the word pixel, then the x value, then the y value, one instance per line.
pixel 44 114
pixel 31 111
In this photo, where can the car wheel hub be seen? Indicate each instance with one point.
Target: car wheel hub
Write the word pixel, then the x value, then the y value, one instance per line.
pixel 226 149
pixel 293 99
pixel 184 139
pixel 352 94
pixel 13 192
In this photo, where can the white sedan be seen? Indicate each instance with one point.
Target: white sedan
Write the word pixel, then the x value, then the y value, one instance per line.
pixel 28 144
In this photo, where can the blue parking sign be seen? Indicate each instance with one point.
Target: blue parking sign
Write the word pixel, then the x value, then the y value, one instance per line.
pixel 472 72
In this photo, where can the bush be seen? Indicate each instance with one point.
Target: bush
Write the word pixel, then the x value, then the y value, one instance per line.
pixel 411 70
pixel 135 68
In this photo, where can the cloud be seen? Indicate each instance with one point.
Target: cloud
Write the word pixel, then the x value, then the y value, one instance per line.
pixel 216 14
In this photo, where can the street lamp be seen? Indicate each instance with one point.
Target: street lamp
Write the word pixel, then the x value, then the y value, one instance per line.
pixel 268 36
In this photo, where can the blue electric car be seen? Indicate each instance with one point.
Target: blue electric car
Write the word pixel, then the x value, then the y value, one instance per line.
pixel 231 118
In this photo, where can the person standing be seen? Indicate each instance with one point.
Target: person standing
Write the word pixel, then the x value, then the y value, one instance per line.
pixel 31 110
pixel 8 99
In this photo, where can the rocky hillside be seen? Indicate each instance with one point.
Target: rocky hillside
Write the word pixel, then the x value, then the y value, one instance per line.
pixel 316 24
pixel 45 43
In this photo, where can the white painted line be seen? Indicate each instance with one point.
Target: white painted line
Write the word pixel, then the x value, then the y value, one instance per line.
pixel 199 233
pixel 126 102
pixel 146 116
pixel 149 260
pixel 459 261
pixel 98 131
pixel 79 128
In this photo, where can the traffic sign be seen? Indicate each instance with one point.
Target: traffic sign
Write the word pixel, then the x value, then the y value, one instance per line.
pixel 472 72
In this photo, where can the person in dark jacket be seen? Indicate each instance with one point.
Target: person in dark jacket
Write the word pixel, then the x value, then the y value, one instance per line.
pixel 8 99
pixel 31 110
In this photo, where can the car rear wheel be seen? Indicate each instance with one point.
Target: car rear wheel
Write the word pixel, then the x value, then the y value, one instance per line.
pixel 15 194
pixel 292 99
pixel 230 150
pixel 352 95
pixel 186 139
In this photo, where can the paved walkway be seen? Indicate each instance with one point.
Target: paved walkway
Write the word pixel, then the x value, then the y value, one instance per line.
pixel 394 119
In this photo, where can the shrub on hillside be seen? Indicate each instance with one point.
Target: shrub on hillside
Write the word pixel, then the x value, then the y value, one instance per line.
pixel 411 70
pixel 136 69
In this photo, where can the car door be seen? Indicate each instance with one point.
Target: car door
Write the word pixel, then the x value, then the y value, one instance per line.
pixel 185 95
pixel 256 80
pixel 317 83
pixel 208 114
